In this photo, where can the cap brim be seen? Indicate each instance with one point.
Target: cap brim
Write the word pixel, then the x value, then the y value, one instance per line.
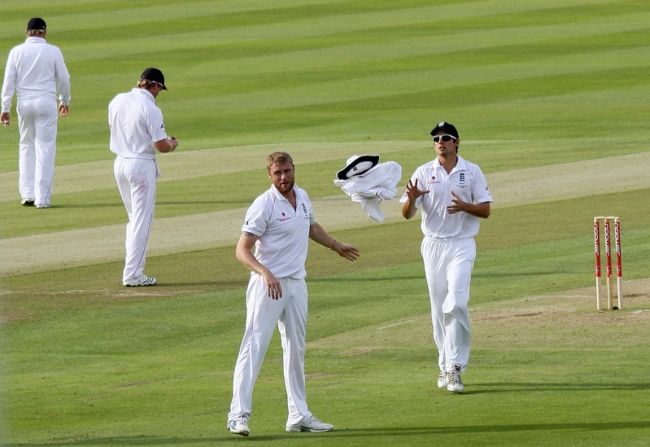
pixel 343 173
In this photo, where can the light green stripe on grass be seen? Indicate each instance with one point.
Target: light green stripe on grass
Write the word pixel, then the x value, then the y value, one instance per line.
pixel 191 164
pixel 221 228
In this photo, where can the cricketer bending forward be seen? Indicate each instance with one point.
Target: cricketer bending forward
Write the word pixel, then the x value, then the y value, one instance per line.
pixel 279 224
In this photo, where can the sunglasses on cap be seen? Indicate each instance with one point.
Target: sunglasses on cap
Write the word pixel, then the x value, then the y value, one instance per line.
pixel 445 138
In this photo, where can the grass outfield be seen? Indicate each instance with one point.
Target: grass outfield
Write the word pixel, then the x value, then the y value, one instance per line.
pixel 535 83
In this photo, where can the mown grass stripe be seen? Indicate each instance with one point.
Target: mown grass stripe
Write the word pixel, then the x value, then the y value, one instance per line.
pixel 221 228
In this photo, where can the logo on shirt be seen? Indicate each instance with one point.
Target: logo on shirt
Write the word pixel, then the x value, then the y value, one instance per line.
pixel 433 180
pixel 284 217
pixel 462 178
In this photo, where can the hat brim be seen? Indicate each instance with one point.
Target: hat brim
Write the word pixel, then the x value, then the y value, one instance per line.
pixel 343 173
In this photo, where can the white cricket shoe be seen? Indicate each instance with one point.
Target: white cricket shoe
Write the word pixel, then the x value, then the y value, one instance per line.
pixel 43 205
pixel 142 281
pixel 442 380
pixel 239 426
pixel 311 423
pixel 454 382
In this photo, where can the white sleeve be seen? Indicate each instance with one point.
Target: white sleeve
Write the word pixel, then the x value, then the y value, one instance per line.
pixel 257 218
pixel 9 84
pixel 156 125
pixel 480 191
pixel 62 79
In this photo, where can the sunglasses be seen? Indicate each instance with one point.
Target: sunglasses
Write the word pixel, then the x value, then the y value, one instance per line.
pixel 445 138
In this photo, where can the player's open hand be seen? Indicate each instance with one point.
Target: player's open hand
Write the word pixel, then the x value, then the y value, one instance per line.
pixel 456 205
pixel 413 191
pixel 349 252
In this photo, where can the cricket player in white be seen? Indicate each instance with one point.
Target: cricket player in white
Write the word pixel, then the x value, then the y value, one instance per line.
pixel 35 71
pixel 137 131
pixel 278 224
pixel 452 195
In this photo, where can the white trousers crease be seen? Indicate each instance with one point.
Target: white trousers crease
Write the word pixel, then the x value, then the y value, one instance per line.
pixel 448 267
pixel 136 181
pixel 37 123
pixel 262 314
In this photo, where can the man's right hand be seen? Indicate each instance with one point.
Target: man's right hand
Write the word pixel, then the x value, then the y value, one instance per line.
pixel 413 192
pixel 273 286
pixel 4 118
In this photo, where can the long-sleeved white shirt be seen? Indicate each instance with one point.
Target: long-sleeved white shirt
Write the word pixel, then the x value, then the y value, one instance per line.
pixel 35 69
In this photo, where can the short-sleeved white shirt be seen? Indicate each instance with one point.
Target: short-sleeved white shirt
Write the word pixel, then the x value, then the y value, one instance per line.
pixel 466 180
pixel 282 230
pixel 135 122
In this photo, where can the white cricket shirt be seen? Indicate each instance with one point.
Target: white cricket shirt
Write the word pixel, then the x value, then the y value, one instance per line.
pixel 466 180
pixel 35 69
pixel 283 231
pixel 135 122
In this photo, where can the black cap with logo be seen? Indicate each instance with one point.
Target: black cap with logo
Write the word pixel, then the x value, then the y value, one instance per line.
pixel 444 126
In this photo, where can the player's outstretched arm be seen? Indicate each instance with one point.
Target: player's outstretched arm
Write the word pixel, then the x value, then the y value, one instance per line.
pixel 318 234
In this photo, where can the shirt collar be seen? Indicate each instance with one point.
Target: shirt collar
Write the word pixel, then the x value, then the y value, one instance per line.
pixel 35 39
pixel 461 164
pixel 145 92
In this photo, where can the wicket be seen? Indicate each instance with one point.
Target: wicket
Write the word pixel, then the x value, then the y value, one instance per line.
pixel 607 220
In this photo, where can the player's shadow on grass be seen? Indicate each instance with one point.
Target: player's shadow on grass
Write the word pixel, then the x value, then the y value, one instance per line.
pixel 400 434
pixel 510 387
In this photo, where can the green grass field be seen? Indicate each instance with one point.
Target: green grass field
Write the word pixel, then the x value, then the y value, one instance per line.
pixel 531 84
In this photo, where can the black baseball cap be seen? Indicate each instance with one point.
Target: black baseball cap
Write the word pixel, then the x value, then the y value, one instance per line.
pixel 155 75
pixel 36 23
pixel 446 127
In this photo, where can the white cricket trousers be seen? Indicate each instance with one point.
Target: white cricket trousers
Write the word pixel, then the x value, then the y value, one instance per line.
pixel 37 121
pixel 136 180
pixel 448 267
pixel 262 314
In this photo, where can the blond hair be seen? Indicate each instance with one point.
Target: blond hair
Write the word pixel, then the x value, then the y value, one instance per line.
pixel 279 158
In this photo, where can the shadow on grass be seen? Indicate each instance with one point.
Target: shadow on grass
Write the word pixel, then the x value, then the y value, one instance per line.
pixel 381 432
pixel 509 387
